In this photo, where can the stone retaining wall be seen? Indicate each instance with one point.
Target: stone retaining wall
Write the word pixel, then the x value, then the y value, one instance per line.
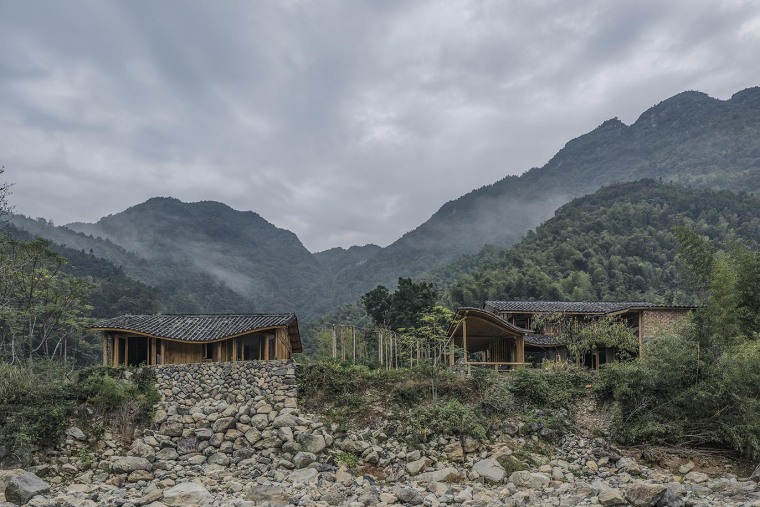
pixel 188 384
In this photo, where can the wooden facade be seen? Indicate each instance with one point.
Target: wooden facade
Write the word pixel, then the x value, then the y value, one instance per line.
pixel 486 340
pixel 644 319
pixel 178 339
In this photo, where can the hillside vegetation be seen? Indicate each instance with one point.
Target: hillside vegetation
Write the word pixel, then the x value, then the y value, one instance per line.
pixel 615 244
pixel 207 257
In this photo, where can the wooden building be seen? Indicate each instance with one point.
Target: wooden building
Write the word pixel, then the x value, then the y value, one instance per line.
pixel 487 340
pixel 131 340
pixel 645 320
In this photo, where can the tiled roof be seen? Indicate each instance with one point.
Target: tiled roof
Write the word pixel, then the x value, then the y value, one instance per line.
pixel 599 307
pixel 199 328
pixel 543 340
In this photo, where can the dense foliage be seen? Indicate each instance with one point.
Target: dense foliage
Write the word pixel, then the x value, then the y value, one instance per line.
pixel 39 400
pixel 616 244
pixel 401 308
pixel 401 402
pixel 700 386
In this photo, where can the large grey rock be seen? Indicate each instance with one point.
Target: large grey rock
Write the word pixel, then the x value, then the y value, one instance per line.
pixel 276 496
pixel 611 498
pixel 407 494
pixel 7 475
pixel 76 433
pixel 168 453
pixel 304 459
pixel 311 443
pixel 304 476
pixel 442 475
pixel 416 466
pixel 642 494
pixel 222 424
pixel 526 479
pixel 128 464
pixel 490 470
pixel 285 420
pixel 756 474
pixel 219 458
pixel 24 487
pixel 142 450
pixel 203 434
pixel 187 493
pixel 172 429
pixel 697 477
pixel 187 445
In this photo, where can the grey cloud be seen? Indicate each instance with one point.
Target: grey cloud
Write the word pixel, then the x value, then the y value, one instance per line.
pixel 347 122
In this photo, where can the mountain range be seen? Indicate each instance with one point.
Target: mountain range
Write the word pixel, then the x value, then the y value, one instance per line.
pixel 205 256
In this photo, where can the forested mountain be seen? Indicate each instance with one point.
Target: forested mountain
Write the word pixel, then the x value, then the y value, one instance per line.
pixel 264 264
pixel 208 257
pixel 691 139
pixel 615 244
pixel 114 291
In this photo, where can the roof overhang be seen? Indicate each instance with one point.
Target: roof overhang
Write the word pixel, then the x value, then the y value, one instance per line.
pixel 482 328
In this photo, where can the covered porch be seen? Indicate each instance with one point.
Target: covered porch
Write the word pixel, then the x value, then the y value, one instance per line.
pixel 487 340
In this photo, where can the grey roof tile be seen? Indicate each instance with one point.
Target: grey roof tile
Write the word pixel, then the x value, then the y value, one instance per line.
pixel 196 328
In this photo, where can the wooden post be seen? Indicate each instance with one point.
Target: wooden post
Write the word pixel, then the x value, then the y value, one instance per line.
pixel 641 335
pixel 334 343
pixel 451 352
pixel 126 351
pixel 380 348
pixel 266 348
pixel 234 350
pixel 464 339
pixel 115 351
pixel 163 352
pixel 105 349
pixel 521 349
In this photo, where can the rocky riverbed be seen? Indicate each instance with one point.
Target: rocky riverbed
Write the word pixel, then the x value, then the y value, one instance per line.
pixel 241 440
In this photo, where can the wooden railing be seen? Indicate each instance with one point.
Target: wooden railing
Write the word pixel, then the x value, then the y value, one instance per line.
pixel 496 364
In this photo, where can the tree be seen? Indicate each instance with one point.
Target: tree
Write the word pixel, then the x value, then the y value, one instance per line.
pixel 431 338
pixel 582 336
pixel 401 308
pixel 5 190
pixel 41 307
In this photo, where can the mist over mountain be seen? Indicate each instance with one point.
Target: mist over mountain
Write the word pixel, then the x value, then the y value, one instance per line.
pixel 206 256
pixel 690 139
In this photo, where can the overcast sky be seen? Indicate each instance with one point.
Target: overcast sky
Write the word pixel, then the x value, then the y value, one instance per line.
pixel 346 122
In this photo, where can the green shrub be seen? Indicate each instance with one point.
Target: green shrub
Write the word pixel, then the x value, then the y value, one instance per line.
pixel 549 388
pixel 497 399
pixel 409 394
pixel 448 419
pixel 679 395
pixel 38 401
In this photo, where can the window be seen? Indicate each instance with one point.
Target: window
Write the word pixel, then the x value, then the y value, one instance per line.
pixel 208 352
